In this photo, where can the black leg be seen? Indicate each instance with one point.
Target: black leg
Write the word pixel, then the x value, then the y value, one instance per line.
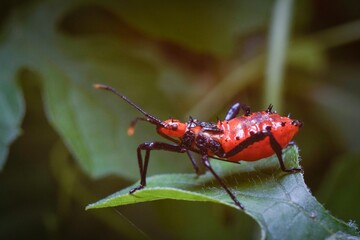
pixel 143 165
pixel 193 161
pixel 278 150
pixel 235 109
pixel 191 157
pixel 256 137
pixel 205 160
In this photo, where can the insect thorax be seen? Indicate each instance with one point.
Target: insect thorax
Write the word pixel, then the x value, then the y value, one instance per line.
pixel 203 137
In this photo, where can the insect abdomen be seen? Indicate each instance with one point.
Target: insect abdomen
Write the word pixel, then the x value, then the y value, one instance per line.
pixel 241 128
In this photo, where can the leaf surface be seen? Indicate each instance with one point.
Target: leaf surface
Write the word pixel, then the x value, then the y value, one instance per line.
pixel 281 203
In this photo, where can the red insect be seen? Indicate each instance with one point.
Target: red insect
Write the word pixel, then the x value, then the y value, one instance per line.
pixel 249 137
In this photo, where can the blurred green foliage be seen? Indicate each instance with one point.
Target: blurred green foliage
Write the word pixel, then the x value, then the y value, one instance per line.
pixel 172 58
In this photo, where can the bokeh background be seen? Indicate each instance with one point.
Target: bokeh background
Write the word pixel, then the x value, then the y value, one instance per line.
pixel 175 59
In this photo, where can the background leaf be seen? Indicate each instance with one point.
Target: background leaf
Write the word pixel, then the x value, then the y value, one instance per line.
pixel 11 114
pixel 185 23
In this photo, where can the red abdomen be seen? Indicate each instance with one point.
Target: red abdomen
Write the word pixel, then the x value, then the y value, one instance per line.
pixel 238 129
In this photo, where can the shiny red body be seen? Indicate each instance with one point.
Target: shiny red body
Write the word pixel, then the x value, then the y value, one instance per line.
pixel 233 132
pixel 240 128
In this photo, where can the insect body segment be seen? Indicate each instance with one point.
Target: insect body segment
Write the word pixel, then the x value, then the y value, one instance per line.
pixel 256 126
pixel 249 137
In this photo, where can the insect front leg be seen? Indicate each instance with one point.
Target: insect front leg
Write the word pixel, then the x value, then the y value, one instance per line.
pixel 235 109
pixel 143 163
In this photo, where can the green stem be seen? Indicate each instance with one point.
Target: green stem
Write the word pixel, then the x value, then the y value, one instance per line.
pixel 278 42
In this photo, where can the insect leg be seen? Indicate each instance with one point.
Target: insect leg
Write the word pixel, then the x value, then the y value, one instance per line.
pixel 193 161
pixel 206 162
pixel 278 151
pixel 143 163
pixel 235 109
pixel 191 157
pixel 256 137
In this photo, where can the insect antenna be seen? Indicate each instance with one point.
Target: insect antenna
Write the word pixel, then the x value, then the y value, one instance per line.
pixel 131 128
pixel 149 118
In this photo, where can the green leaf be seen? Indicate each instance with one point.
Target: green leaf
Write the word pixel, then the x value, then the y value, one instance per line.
pixel 11 114
pixel 204 26
pixel 93 123
pixel 76 116
pixel 12 107
pixel 280 203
